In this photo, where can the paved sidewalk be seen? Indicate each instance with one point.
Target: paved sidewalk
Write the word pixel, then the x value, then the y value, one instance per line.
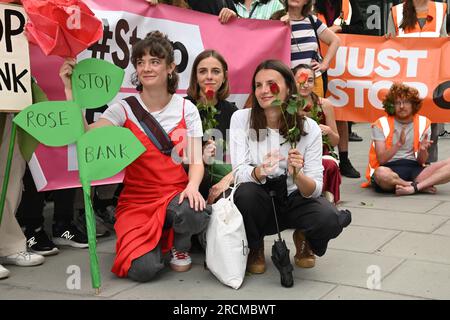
pixel 403 239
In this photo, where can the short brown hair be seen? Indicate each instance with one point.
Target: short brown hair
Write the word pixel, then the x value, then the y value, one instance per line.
pixel 194 89
pixel 401 91
pixel 158 45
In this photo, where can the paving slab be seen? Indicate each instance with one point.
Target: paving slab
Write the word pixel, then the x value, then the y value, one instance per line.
pixel 443 209
pixel 200 284
pixel 431 248
pixel 352 293
pixel 420 278
pixel 362 239
pixel 444 230
pixel 391 203
pixel 388 219
pixel 14 293
pixel 53 276
pixel 348 268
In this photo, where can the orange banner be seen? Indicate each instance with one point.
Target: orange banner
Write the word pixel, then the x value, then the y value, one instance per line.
pixel 366 66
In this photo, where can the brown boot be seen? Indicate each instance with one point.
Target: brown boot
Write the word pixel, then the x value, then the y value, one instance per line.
pixel 256 262
pixel 304 258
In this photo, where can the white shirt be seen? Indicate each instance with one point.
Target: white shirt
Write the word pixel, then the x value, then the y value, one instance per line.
pixel 168 117
pixel 246 153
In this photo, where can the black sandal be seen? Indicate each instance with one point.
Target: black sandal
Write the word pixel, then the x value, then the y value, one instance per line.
pixel 414 184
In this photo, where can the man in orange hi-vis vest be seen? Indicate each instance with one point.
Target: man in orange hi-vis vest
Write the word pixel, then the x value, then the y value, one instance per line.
pixel 399 149
pixel 420 19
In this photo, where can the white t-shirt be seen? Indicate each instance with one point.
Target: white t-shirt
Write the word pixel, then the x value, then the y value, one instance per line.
pixel 168 117
pixel 246 153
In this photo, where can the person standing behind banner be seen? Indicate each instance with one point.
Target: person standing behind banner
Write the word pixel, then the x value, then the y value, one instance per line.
pixel 342 16
pixel 304 42
pixel 421 19
pixel 210 72
pixel 257 9
pixel 13 247
pixel 225 9
pixel 160 207
pixel 265 161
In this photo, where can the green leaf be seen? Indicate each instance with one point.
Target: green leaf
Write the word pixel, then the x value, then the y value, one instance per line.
pixel 292 108
pixel 95 82
pixel 104 152
pixel 53 123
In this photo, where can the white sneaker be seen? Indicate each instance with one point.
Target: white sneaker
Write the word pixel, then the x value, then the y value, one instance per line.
pixel 180 261
pixel 4 273
pixel 23 259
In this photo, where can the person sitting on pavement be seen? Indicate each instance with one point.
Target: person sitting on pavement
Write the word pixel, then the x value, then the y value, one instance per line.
pixel 160 207
pixel 400 146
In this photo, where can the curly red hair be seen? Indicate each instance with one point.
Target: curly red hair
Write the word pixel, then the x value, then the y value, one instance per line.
pixel 403 92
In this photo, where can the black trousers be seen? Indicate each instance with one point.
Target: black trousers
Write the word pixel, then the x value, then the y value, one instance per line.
pixel 316 217
pixel 30 213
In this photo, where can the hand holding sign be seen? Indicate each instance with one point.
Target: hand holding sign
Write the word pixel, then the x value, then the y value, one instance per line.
pixel 53 123
pixel 95 82
pixel 102 152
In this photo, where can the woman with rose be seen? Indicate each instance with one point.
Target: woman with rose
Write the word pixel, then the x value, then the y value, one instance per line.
pixel 265 161
pixel 209 86
pixel 321 110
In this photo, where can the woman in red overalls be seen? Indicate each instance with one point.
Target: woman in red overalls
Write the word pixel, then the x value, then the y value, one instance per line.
pixel 160 207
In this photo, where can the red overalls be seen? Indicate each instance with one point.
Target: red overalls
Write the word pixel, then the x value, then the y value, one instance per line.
pixel 150 183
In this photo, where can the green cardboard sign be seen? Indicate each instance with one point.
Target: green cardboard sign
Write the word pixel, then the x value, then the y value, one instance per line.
pixel 95 82
pixel 104 152
pixel 53 123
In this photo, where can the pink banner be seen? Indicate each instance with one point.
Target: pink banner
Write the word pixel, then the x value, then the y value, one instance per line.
pixel 243 42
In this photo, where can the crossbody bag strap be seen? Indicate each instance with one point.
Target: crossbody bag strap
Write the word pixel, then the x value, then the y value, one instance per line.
pixel 315 32
pixel 151 126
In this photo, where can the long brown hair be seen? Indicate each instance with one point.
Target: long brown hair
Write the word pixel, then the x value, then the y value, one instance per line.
pixel 258 119
pixel 315 98
pixel 194 89
pixel 409 15
pixel 306 10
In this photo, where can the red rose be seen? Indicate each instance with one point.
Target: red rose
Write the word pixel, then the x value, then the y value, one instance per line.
pixel 307 108
pixel 209 93
pixel 429 18
pixel 274 88
pixel 302 78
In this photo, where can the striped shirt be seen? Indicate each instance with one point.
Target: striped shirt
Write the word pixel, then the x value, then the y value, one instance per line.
pixel 262 11
pixel 304 42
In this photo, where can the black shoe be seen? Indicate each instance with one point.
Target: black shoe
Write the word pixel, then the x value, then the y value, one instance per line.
pixel 354 137
pixel 347 170
pixel 38 242
pixel 69 236
pixel 101 229
pixel 345 217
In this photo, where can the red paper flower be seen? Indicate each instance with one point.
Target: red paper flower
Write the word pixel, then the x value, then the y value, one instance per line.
pixel 209 93
pixel 274 88
pixel 429 18
pixel 302 78
pixel 61 27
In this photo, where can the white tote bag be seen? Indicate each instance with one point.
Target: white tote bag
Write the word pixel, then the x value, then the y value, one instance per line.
pixel 226 243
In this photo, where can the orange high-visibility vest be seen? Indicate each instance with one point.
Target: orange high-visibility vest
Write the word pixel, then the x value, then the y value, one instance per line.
pixel 344 18
pixel 431 29
pixel 386 124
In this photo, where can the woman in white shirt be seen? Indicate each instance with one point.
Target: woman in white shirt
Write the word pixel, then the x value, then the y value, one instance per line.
pixel 264 161
pixel 160 207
